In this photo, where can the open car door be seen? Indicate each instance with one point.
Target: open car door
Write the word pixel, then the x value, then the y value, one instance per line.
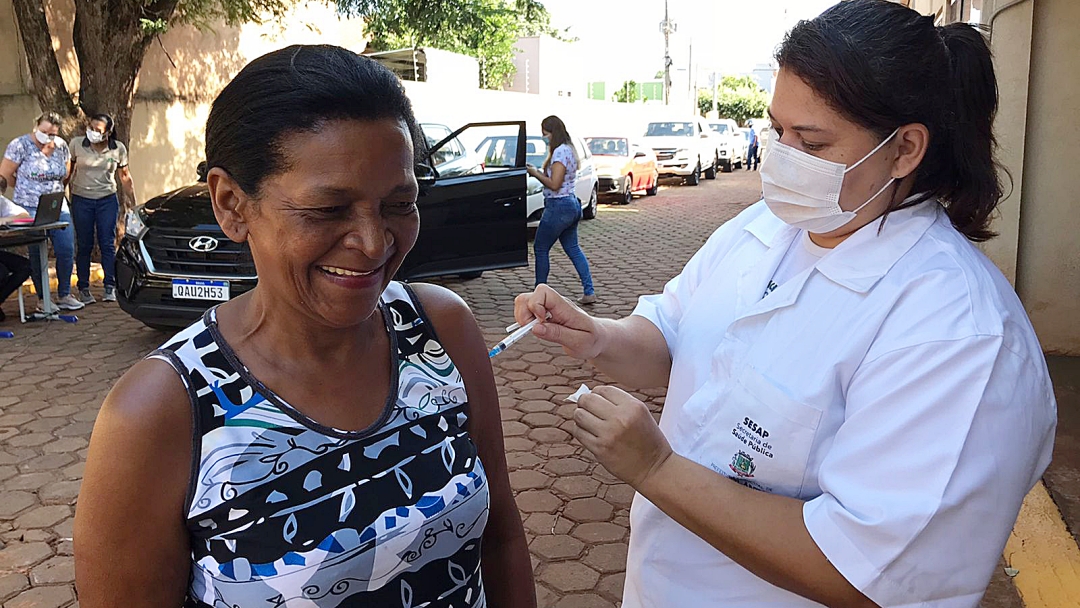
pixel 472 221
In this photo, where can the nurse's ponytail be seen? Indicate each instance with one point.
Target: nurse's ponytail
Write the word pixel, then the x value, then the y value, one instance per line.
pixel 971 167
pixel 882 66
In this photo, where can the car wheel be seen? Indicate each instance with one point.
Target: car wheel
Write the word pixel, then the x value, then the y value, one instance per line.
pixel 710 173
pixel 589 212
pixel 726 167
pixel 694 178
pixel 655 187
pixel 628 190
pixel 468 276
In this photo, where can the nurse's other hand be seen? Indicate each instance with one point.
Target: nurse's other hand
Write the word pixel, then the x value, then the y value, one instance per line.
pixel 621 432
pixel 566 325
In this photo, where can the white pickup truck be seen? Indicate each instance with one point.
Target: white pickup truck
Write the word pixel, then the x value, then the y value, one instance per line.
pixel 683 148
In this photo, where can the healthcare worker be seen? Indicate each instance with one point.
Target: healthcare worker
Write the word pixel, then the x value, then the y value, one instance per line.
pixel 857 403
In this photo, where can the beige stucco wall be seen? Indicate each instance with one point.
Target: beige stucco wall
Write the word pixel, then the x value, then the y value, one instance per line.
pixel 172 103
pixel 1048 261
pixel 1010 42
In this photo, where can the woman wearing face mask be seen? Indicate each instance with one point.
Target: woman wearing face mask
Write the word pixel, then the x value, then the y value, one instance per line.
pixel 562 209
pixel 98 161
pixel 857 404
pixel 40 163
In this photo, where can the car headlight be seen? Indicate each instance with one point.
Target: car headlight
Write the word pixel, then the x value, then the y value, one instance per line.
pixel 134 226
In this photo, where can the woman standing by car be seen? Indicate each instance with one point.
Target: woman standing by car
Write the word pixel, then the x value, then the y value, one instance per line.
pixel 856 403
pixel 331 437
pixel 562 209
pixel 40 163
pixel 98 160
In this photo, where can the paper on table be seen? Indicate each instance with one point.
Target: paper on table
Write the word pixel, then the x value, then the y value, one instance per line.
pixel 584 390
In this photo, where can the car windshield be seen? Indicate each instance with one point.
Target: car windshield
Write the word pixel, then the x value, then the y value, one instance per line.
pixel 718 127
pixel 608 146
pixel 665 129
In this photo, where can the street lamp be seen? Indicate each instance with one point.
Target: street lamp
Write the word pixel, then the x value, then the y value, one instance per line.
pixel 667 27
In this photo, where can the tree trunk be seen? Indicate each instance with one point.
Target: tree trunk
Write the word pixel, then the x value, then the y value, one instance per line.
pixel 47 83
pixel 111 44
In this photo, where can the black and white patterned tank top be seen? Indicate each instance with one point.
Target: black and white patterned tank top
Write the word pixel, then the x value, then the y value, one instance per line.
pixel 283 511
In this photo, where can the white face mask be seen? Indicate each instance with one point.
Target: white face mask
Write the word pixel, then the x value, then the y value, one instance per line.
pixel 43 138
pixel 804 190
pixel 95 137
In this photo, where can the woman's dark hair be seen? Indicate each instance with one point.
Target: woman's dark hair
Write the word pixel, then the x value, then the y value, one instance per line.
pixel 110 133
pixel 298 88
pixel 50 117
pixel 882 65
pixel 559 136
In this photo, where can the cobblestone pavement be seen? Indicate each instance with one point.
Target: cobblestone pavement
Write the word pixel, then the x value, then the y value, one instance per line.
pixel 53 378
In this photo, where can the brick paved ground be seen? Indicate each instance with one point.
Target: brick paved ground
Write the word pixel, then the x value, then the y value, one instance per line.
pixel 53 378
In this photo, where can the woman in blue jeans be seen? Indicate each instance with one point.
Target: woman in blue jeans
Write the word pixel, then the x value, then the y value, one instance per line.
pixel 39 163
pixel 98 160
pixel 562 209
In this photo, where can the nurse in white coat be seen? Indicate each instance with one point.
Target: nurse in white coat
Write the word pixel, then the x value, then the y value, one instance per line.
pixel 857 403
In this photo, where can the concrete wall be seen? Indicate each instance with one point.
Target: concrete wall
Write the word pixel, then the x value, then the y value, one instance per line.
pixel 1048 273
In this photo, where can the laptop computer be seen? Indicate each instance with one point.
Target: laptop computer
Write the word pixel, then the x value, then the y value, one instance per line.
pixel 48 211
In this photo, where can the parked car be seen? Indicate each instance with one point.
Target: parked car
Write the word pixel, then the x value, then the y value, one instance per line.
pixel 623 167
pixel 454 158
pixel 733 145
pixel 683 149
pixel 494 151
pixel 174 261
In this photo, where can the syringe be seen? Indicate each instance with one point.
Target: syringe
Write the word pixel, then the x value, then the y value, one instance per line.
pixel 509 341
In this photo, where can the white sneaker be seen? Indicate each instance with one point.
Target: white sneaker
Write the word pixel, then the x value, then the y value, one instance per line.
pixel 110 294
pixel 69 302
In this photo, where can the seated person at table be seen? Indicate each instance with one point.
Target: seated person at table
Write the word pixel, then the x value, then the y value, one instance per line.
pixel 14 269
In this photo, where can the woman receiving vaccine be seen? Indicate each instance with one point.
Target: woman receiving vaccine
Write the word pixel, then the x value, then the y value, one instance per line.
pixel 857 403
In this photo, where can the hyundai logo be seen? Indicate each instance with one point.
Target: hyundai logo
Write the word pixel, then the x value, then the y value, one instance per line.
pixel 205 244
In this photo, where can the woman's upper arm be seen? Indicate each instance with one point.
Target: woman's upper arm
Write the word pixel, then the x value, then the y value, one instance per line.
pixel 461 338
pixel 131 542
pixel 558 174
pixel 8 168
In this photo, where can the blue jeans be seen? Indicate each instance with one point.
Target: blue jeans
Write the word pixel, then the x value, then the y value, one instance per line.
pixel 63 242
pixel 559 223
pixel 95 217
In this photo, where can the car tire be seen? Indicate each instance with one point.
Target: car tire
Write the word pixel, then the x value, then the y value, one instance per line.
pixel 710 173
pixel 655 187
pixel 726 167
pixel 694 178
pixel 628 190
pixel 469 276
pixel 589 211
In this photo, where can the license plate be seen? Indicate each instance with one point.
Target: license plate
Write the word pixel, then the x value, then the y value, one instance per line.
pixel 197 289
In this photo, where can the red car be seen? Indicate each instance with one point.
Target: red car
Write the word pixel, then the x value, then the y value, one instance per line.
pixel 623 167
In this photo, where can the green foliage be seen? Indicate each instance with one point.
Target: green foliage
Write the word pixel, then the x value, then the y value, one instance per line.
pixel 204 13
pixel 628 92
pixel 484 29
pixel 738 97
pixel 153 27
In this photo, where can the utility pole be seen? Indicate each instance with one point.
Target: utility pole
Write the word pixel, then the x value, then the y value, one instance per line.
pixel 667 27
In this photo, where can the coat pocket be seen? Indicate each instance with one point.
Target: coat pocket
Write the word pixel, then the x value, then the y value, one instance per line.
pixel 758 435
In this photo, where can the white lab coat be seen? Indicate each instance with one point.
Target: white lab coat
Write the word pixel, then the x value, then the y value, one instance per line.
pixel 897 387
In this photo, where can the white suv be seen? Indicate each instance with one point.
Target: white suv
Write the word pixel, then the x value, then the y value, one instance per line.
pixel 733 147
pixel 684 149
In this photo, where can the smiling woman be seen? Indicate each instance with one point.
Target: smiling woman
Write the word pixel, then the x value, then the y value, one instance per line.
pixel 331 437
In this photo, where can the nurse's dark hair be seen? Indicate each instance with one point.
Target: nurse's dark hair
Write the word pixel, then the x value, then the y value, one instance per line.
pixel 298 89
pixel 882 65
